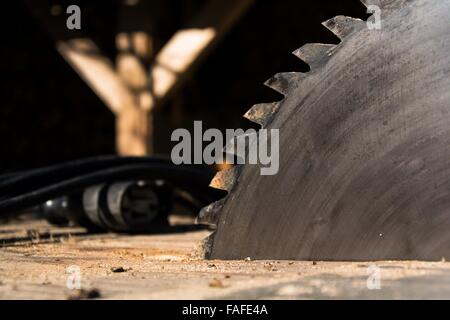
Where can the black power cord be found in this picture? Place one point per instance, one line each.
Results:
(20, 182)
(112, 193)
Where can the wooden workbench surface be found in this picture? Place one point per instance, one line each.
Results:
(35, 257)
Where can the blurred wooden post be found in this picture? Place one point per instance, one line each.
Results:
(132, 90)
(134, 43)
(172, 66)
(101, 76)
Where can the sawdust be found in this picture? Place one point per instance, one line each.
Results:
(164, 264)
(216, 283)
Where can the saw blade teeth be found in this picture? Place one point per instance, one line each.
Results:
(314, 53)
(343, 26)
(282, 81)
(261, 113)
(225, 179)
(210, 214)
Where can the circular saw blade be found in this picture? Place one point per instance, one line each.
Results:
(364, 168)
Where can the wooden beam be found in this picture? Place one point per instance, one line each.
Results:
(172, 66)
(133, 94)
(134, 131)
(133, 124)
(188, 47)
(97, 71)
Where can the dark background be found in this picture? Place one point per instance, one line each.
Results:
(48, 114)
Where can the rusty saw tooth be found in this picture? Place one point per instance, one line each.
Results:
(343, 26)
(262, 113)
(210, 214)
(225, 179)
(281, 82)
(315, 54)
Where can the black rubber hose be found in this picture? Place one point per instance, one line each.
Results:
(9, 175)
(22, 182)
(191, 179)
